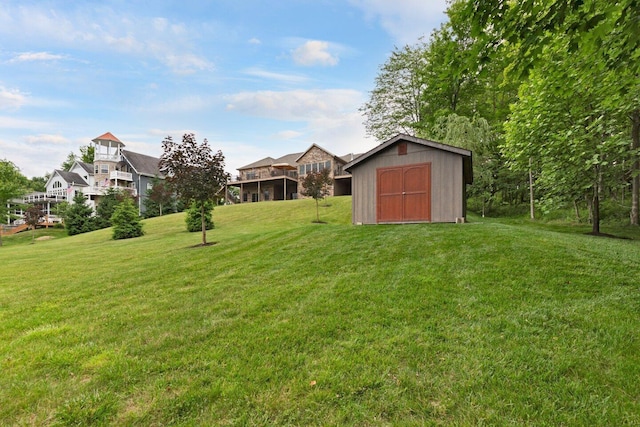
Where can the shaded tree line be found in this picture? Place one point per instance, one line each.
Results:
(546, 94)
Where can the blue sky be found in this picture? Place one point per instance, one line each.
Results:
(256, 78)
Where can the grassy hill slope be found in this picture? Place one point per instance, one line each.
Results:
(286, 322)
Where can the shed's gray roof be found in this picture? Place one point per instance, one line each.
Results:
(466, 154)
(143, 164)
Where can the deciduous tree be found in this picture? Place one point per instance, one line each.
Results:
(315, 185)
(32, 217)
(159, 197)
(194, 171)
(396, 103)
(12, 185)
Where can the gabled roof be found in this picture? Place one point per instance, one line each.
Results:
(143, 164)
(350, 157)
(107, 137)
(466, 154)
(69, 178)
(267, 161)
(288, 159)
(319, 148)
(86, 166)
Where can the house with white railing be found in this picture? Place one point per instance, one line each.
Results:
(281, 178)
(113, 167)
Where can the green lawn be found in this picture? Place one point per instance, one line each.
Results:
(287, 322)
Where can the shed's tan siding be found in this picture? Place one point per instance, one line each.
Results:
(447, 186)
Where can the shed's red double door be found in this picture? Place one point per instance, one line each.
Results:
(404, 193)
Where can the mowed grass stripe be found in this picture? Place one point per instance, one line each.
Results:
(286, 322)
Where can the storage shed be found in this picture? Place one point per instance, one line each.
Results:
(408, 179)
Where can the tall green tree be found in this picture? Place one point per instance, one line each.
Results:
(194, 171)
(475, 135)
(86, 156)
(160, 198)
(562, 123)
(606, 32)
(38, 183)
(87, 153)
(396, 103)
(12, 185)
(126, 221)
(112, 198)
(78, 216)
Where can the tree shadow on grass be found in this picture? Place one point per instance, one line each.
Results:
(202, 245)
(610, 236)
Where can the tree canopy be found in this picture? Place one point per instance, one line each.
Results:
(316, 185)
(545, 93)
(12, 185)
(194, 171)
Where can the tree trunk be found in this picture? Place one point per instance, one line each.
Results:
(204, 224)
(576, 208)
(635, 168)
(595, 209)
(531, 207)
(317, 212)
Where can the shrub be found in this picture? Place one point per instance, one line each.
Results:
(125, 221)
(194, 219)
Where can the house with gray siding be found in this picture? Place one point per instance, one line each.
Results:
(113, 167)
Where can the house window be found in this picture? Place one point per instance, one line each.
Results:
(308, 167)
(301, 169)
(57, 184)
(96, 168)
(327, 164)
(402, 149)
(245, 197)
(266, 195)
(254, 197)
(104, 168)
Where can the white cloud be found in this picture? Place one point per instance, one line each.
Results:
(330, 117)
(296, 105)
(13, 123)
(287, 78)
(255, 41)
(11, 99)
(186, 63)
(171, 43)
(314, 52)
(36, 56)
(44, 139)
(288, 134)
(183, 104)
(405, 20)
